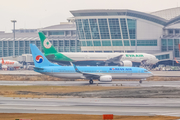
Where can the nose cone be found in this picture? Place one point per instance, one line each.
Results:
(151, 74)
(157, 60)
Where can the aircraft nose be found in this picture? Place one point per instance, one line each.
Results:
(151, 74)
(157, 60)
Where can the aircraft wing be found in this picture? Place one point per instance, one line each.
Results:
(143, 61)
(114, 59)
(37, 68)
(87, 75)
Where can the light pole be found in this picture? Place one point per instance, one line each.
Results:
(14, 21)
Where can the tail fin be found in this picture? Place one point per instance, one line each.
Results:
(176, 60)
(39, 59)
(46, 44)
(2, 61)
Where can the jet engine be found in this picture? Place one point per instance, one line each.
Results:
(126, 63)
(105, 78)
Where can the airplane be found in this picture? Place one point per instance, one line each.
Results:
(95, 59)
(10, 64)
(102, 73)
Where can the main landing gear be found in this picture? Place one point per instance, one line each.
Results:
(91, 81)
(140, 81)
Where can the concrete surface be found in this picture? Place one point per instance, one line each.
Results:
(86, 83)
(30, 72)
(19, 72)
(117, 106)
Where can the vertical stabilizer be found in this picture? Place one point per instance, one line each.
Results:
(46, 44)
(2, 61)
(39, 59)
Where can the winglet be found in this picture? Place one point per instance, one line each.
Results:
(2, 61)
(76, 69)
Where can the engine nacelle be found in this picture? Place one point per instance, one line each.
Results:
(105, 78)
(126, 63)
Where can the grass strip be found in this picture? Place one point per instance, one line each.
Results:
(43, 91)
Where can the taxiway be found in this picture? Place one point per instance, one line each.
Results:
(117, 106)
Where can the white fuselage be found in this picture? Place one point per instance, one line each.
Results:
(11, 63)
(133, 57)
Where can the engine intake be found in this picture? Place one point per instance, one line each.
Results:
(126, 63)
(105, 78)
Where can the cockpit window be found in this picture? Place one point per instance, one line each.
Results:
(145, 71)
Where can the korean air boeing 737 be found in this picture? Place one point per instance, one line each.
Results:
(102, 73)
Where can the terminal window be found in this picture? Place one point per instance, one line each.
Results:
(106, 43)
(97, 43)
(86, 28)
(146, 42)
(89, 43)
(114, 28)
(103, 27)
(126, 43)
(117, 42)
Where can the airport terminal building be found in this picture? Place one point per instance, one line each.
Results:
(106, 30)
(62, 36)
(129, 31)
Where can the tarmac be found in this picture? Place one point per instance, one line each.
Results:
(116, 106)
(146, 99)
(31, 72)
(86, 83)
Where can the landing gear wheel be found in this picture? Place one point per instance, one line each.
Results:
(91, 81)
(140, 81)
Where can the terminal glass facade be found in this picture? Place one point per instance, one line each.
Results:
(132, 28)
(106, 31)
(124, 28)
(170, 45)
(114, 28)
(94, 28)
(162, 57)
(22, 45)
(146, 42)
(110, 32)
(103, 28)
(117, 43)
(86, 28)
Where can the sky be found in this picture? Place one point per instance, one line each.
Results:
(33, 14)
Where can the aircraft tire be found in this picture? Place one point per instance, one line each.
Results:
(140, 81)
(90, 81)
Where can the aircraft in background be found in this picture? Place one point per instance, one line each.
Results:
(95, 59)
(10, 64)
(102, 73)
(176, 61)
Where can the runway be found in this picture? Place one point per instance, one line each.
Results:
(31, 72)
(116, 106)
(86, 83)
